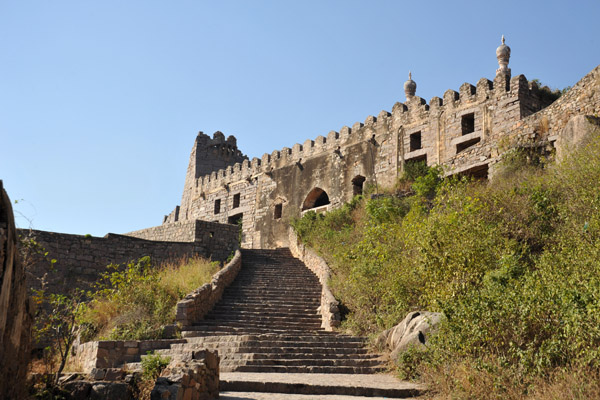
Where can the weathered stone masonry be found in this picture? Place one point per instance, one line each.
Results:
(81, 259)
(466, 132)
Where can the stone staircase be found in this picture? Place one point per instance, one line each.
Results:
(268, 321)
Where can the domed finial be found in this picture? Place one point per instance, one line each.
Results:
(410, 86)
(503, 56)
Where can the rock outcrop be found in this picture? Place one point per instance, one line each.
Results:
(413, 331)
(15, 308)
(578, 132)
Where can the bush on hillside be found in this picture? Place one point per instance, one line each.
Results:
(135, 302)
(513, 265)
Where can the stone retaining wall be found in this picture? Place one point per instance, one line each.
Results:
(107, 354)
(329, 308)
(198, 303)
(81, 259)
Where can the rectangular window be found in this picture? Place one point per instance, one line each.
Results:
(236, 200)
(415, 141)
(278, 211)
(217, 206)
(467, 123)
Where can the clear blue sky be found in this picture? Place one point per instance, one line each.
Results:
(100, 101)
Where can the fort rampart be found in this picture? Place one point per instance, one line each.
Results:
(81, 259)
(465, 131)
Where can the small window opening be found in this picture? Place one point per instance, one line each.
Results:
(415, 141)
(278, 210)
(467, 123)
(217, 206)
(235, 219)
(316, 198)
(236, 200)
(357, 185)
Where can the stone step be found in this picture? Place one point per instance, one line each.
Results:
(252, 309)
(323, 340)
(307, 362)
(216, 331)
(280, 290)
(282, 351)
(302, 369)
(248, 328)
(285, 296)
(283, 302)
(267, 321)
(367, 385)
(275, 317)
(277, 324)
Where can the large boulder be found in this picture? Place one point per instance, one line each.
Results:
(576, 133)
(413, 331)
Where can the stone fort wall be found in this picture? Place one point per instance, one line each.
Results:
(466, 132)
(81, 259)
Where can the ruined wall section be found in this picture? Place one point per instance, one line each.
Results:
(545, 126)
(81, 259)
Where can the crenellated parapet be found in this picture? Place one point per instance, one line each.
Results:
(414, 113)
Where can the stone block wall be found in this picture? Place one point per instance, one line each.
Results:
(197, 304)
(196, 379)
(16, 310)
(216, 241)
(81, 259)
(108, 354)
(329, 309)
(182, 231)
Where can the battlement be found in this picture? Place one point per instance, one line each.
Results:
(414, 111)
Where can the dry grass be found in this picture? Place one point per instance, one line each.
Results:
(143, 300)
(462, 380)
(184, 277)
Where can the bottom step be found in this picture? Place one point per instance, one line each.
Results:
(377, 385)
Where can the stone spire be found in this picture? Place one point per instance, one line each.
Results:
(410, 87)
(503, 56)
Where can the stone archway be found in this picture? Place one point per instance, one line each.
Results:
(316, 198)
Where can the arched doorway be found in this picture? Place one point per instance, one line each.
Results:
(316, 198)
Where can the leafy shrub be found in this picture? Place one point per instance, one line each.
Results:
(513, 265)
(153, 364)
(135, 302)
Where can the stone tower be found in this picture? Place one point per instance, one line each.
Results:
(208, 155)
